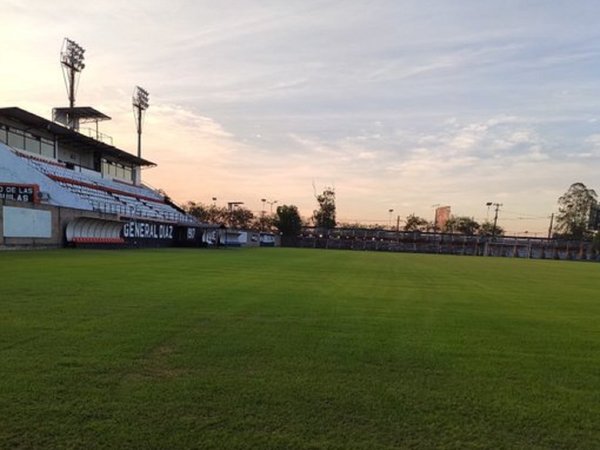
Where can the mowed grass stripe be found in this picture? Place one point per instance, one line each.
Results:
(290, 348)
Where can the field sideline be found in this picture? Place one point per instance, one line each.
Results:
(291, 348)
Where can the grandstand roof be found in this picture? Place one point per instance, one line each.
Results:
(72, 138)
(82, 113)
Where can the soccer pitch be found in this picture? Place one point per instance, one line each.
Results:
(290, 348)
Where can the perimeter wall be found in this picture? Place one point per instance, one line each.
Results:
(442, 243)
(34, 225)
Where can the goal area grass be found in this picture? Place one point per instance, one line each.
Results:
(296, 348)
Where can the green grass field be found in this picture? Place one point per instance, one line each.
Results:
(289, 348)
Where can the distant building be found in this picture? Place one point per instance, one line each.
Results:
(442, 215)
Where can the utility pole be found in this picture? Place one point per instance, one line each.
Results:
(497, 208)
(497, 205)
(550, 227)
(262, 214)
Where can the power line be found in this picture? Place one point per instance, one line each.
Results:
(520, 214)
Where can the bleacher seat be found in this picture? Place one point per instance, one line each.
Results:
(109, 195)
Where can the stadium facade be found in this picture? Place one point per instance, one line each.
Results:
(62, 187)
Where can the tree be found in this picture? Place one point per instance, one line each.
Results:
(324, 217)
(487, 229)
(464, 225)
(198, 210)
(207, 213)
(217, 214)
(240, 217)
(596, 242)
(574, 208)
(264, 222)
(287, 220)
(415, 223)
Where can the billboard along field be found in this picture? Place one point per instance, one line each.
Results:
(290, 348)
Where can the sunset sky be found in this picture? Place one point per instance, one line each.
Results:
(397, 104)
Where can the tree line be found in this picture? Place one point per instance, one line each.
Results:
(577, 218)
(286, 220)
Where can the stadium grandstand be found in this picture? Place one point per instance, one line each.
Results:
(64, 185)
(60, 187)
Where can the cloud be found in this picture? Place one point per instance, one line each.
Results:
(399, 105)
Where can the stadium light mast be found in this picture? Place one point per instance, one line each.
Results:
(71, 59)
(232, 205)
(271, 203)
(263, 212)
(140, 105)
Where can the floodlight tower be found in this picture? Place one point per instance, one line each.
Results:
(71, 59)
(140, 105)
(271, 203)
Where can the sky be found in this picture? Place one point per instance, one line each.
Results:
(398, 105)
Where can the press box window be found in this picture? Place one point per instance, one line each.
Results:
(47, 148)
(16, 140)
(33, 144)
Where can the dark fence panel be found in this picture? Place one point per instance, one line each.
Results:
(450, 244)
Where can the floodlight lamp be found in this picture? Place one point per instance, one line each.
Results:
(140, 98)
(72, 55)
